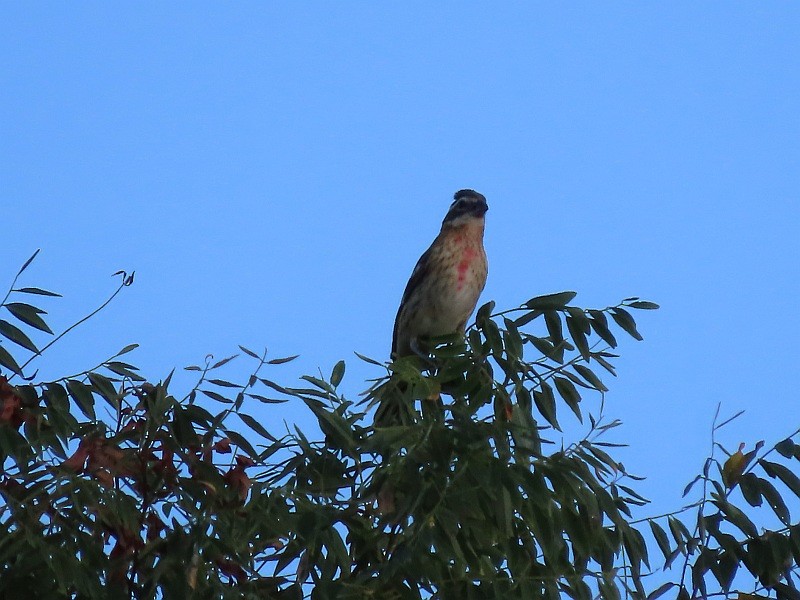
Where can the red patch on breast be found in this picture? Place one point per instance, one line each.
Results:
(467, 256)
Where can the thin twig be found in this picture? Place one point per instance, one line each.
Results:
(124, 283)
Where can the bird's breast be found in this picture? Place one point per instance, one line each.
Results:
(462, 276)
(465, 265)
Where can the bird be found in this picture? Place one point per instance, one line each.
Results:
(439, 298)
(447, 280)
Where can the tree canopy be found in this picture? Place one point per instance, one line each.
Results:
(115, 485)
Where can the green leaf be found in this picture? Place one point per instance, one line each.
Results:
(256, 426)
(599, 323)
(644, 305)
(484, 312)
(280, 361)
(566, 389)
(29, 315)
(58, 411)
(81, 394)
(320, 383)
(551, 301)
(105, 388)
(635, 497)
(332, 425)
(127, 349)
(544, 346)
(124, 370)
(367, 359)
(786, 448)
(605, 364)
(474, 338)
(748, 484)
(198, 414)
(17, 336)
(661, 539)
(28, 262)
(788, 478)
(266, 400)
(553, 321)
(223, 383)
(338, 373)
(637, 549)
(183, 427)
(737, 518)
(698, 580)
(527, 318)
(216, 396)
(728, 543)
(242, 442)
(493, 337)
(661, 590)
(37, 291)
(56, 397)
(222, 362)
(773, 498)
(546, 404)
(589, 376)
(512, 339)
(249, 352)
(7, 361)
(579, 315)
(576, 332)
(624, 319)
(613, 466)
(14, 444)
(276, 387)
(337, 548)
(608, 590)
(679, 532)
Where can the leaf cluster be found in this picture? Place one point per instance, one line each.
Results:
(117, 487)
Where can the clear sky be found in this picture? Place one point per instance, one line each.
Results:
(272, 171)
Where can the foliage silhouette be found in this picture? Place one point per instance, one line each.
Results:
(115, 487)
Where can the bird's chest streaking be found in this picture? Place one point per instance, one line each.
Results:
(462, 276)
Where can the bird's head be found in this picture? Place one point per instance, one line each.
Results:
(467, 205)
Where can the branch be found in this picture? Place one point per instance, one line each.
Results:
(126, 281)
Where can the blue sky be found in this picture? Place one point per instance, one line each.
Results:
(273, 171)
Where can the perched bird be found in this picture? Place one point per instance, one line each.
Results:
(439, 298)
(448, 279)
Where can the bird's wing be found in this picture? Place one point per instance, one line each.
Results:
(418, 275)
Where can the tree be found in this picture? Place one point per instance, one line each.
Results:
(117, 487)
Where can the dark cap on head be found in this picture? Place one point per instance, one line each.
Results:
(468, 194)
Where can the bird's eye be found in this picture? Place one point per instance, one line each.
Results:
(462, 205)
